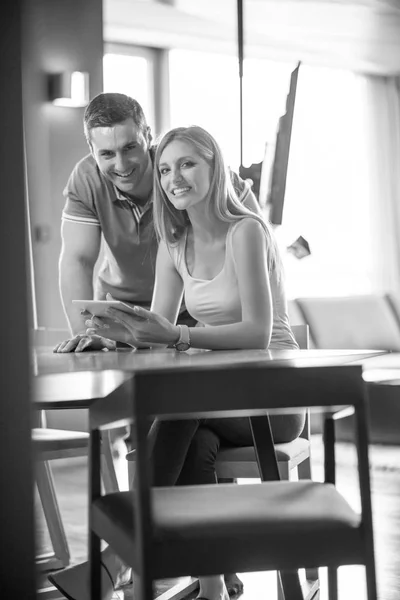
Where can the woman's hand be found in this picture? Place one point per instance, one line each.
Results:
(144, 326)
(103, 326)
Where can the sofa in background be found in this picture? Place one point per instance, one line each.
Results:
(357, 322)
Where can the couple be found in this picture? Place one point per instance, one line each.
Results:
(223, 258)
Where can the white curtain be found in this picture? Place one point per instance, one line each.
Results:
(382, 138)
(343, 188)
(327, 199)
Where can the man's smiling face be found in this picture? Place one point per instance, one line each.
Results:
(122, 154)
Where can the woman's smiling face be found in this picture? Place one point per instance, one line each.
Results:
(184, 175)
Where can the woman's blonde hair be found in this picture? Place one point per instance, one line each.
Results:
(222, 199)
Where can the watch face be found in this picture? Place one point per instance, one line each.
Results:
(182, 346)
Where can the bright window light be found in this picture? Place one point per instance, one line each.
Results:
(130, 75)
(327, 199)
(326, 193)
(210, 98)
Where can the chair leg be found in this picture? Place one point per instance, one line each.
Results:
(304, 469)
(371, 580)
(45, 485)
(279, 588)
(365, 492)
(131, 472)
(108, 473)
(269, 471)
(143, 588)
(312, 574)
(95, 566)
(304, 472)
(291, 585)
(332, 583)
(94, 549)
(284, 471)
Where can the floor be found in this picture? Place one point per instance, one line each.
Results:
(71, 476)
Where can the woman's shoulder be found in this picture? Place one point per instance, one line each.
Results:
(246, 227)
(246, 234)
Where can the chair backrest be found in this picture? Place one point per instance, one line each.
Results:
(301, 334)
(353, 322)
(157, 551)
(394, 302)
(296, 317)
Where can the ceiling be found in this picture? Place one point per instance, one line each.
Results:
(361, 35)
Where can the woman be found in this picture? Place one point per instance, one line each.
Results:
(223, 258)
(220, 254)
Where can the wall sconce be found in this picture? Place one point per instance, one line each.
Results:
(69, 88)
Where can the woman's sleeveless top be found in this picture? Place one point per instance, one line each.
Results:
(217, 301)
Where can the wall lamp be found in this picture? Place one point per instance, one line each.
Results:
(70, 88)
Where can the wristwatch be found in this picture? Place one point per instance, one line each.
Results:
(183, 342)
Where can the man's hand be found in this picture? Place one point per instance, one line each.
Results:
(82, 342)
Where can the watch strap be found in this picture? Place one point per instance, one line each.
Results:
(183, 342)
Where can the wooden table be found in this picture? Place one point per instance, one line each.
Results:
(105, 379)
(79, 380)
(58, 385)
(382, 374)
(77, 390)
(383, 369)
(46, 362)
(104, 413)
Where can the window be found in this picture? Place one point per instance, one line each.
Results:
(130, 70)
(326, 194)
(205, 91)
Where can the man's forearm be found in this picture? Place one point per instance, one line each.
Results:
(76, 283)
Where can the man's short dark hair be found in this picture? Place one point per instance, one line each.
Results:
(109, 109)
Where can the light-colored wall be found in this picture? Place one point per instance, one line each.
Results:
(59, 35)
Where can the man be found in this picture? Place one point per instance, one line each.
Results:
(108, 195)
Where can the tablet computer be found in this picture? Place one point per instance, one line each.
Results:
(98, 307)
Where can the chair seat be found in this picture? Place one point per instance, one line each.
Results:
(290, 452)
(295, 451)
(237, 462)
(293, 524)
(58, 440)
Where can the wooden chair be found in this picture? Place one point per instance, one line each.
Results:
(275, 525)
(294, 458)
(53, 444)
(237, 463)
